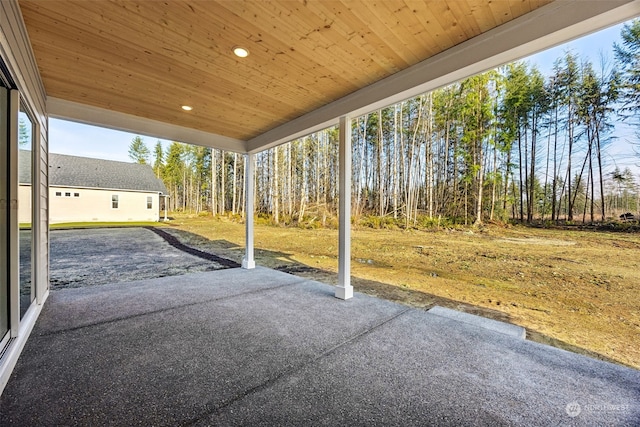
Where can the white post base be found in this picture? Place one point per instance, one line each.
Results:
(344, 292)
(248, 265)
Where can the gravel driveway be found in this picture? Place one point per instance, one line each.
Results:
(89, 257)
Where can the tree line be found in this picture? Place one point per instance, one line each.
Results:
(507, 144)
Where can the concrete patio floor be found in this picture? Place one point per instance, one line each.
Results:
(261, 347)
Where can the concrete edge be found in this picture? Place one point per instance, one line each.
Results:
(482, 322)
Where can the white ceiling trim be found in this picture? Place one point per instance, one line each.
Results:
(81, 113)
(546, 27)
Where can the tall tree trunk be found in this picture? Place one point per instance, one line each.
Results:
(411, 187)
(478, 220)
(494, 172)
(214, 182)
(569, 189)
(362, 161)
(521, 179)
(223, 189)
(599, 154)
(276, 190)
(379, 167)
(514, 195)
(394, 161)
(429, 153)
(586, 200)
(466, 200)
(590, 136)
(579, 179)
(243, 201)
(532, 176)
(184, 189)
(546, 175)
(556, 170)
(480, 161)
(234, 184)
(303, 189)
(507, 173)
(289, 182)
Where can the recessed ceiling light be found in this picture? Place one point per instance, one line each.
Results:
(240, 52)
(187, 107)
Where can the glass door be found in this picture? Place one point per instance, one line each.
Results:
(25, 210)
(4, 216)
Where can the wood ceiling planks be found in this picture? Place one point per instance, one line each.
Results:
(147, 58)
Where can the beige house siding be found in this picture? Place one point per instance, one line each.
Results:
(88, 205)
(24, 205)
(92, 205)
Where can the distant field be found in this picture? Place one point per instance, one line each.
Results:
(578, 290)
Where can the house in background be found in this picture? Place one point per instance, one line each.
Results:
(83, 189)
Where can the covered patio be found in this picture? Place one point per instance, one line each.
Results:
(261, 347)
(251, 345)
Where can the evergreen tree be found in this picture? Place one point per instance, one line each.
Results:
(514, 111)
(138, 151)
(569, 80)
(158, 160)
(628, 57)
(24, 134)
(173, 174)
(476, 115)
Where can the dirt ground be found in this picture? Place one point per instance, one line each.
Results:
(89, 257)
(577, 290)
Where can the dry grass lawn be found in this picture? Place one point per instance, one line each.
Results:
(579, 290)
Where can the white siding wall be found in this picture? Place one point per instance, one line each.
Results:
(95, 205)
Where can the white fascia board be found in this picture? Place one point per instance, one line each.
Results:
(546, 27)
(81, 113)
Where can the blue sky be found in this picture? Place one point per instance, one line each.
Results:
(90, 141)
(591, 46)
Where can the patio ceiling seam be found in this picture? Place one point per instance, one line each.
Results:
(288, 372)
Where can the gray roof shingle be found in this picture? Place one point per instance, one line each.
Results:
(84, 172)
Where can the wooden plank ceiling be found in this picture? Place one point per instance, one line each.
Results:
(148, 58)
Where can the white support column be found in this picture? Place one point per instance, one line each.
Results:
(344, 289)
(166, 206)
(248, 261)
